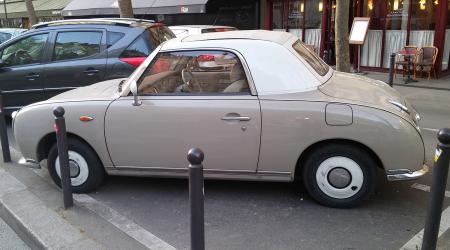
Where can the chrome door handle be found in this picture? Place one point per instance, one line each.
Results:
(91, 72)
(236, 118)
(32, 76)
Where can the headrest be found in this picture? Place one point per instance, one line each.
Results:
(237, 73)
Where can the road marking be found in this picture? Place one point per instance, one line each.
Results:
(416, 241)
(427, 188)
(121, 222)
(430, 129)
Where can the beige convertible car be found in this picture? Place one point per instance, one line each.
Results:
(270, 110)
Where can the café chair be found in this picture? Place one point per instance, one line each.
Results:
(405, 64)
(426, 61)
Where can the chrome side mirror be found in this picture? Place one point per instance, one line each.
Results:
(134, 90)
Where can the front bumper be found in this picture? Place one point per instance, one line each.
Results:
(406, 174)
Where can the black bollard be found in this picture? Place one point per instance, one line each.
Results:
(4, 133)
(63, 154)
(195, 157)
(391, 69)
(440, 173)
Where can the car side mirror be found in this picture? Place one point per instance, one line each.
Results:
(134, 90)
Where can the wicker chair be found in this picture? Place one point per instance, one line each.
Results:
(405, 64)
(426, 61)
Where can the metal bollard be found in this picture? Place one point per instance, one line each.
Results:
(195, 157)
(63, 154)
(391, 69)
(440, 173)
(4, 133)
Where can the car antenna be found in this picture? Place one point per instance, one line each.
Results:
(146, 12)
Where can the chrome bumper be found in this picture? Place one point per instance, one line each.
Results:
(406, 174)
(29, 163)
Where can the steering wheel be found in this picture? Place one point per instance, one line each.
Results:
(189, 81)
(22, 57)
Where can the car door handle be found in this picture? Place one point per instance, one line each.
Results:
(236, 118)
(91, 72)
(32, 76)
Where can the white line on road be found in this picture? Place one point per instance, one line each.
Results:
(121, 222)
(427, 188)
(416, 241)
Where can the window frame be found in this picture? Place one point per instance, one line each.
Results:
(16, 39)
(251, 85)
(57, 32)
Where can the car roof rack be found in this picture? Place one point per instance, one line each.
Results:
(127, 19)
(104, 21)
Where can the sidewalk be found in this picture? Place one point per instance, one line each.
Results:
(32, 206)
(439, 84)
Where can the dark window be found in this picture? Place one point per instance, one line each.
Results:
(26, 51)
(311, 58)
(139, 48)
(194, 72)
(77, 44)
(4, 36)
(159, 34)
(113, 37)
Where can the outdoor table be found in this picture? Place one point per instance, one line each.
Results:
(408, 55)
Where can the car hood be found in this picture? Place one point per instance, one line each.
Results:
(106, 90)
(361, 90)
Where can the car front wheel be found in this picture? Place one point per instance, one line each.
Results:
(340, 176)
(86, 170)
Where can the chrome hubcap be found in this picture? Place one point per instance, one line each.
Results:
(74, 169)
(78, 167)
(339, 177)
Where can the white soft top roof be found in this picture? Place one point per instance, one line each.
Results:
(264, 35)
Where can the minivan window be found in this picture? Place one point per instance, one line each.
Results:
(4, 37)
(26, 51)
(76, 44)
(311, 58)
(139, 48)
(113, 37)
(159, 34)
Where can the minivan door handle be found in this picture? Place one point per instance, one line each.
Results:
(91, 71)
(236, 118)
(32, 76)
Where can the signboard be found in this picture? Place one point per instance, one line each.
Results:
(359, 30)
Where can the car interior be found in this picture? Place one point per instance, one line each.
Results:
(178, 73)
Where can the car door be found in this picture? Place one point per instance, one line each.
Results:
(21, 77)
(78, 59)
(184, 106)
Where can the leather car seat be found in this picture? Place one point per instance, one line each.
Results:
(238, 80)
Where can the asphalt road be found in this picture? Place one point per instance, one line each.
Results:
(254, 215)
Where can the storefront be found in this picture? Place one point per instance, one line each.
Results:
(243, 14)
(394, 24)
(46, 10)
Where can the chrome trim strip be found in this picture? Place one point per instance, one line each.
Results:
(406, 174)
(35, 90)
(64, 88)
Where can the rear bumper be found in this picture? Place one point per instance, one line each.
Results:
(406, 174)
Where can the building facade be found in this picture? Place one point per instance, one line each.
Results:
(394, 24)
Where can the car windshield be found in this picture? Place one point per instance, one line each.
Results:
(311, 58)
(4, 36)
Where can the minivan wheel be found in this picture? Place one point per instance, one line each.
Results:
(340, 176)
(86, 170)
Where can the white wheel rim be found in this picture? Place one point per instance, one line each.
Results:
(333, 164)
(76, 162)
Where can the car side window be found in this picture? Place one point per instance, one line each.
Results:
(139, 48)
(25, 51)
(194, 72)
(4, 36)
(76, 44)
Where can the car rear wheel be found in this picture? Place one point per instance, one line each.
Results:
(340, 176)
(86, 170)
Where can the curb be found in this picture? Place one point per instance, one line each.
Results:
(34, 222)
